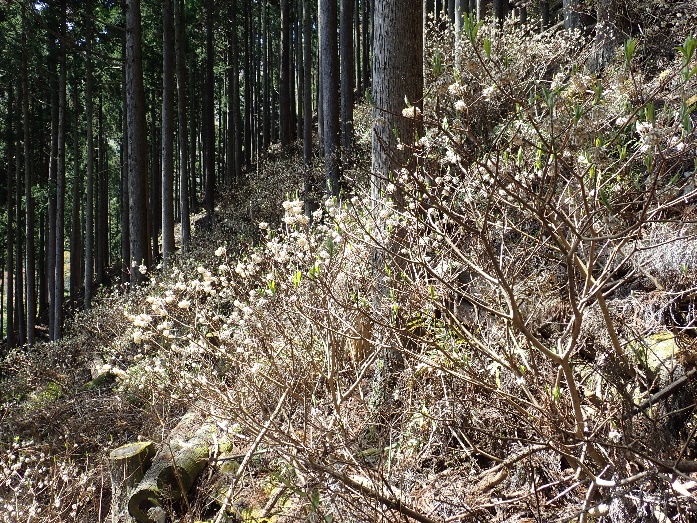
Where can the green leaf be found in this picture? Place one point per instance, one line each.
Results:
(629, 48)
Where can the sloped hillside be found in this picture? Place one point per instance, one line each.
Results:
(507, 333)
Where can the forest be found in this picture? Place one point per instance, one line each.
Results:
(348, 260)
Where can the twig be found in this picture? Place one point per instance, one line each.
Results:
(248, 457)
(669, 390)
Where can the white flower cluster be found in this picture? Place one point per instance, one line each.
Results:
(294, 213)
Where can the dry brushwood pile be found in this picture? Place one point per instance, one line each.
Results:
(506, 334)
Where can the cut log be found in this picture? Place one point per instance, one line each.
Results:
(128, 466)
(175, 468)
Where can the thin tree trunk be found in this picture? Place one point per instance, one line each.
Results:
(30, 252)
(366, 46)
(154, 189)
(544, 13)
(572, 16)
(179, 38)
(347, 71)
(89, 197)
(137, 143)
(330, 94)
(248, 86)
(52, 174)
(284, 86)
(9, 281)
(267, 80)
(75, 225)
(60, 183)
(292, 71)
(300, 69)
(20, 313)
(307, 92)
(481, 10)
(320, 98)
(102, 195)
(357, 48)
(167, 131)
(209, 117)
(124, 211)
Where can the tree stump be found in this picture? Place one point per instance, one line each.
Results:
(128, 466)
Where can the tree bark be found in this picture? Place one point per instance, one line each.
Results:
(89, 182)
(330, 94)
(20, 312)
(347, 71)
(606, 37)
(30, 251)
(137, 143)
(167, 132)
(52, 175)
(284, 85)
(9, 280)
(179, 38)
(124, 211)
(307, 104)
(75, 224)
(209, 117)
(397, 74)
(572, 17)
(128, 464)
(60, 183)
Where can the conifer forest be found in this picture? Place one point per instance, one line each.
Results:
(411, 261)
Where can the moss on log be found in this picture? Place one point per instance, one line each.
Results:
(175, 468)
(128, 465)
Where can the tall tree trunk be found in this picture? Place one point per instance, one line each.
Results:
(168, 65)
(30, 251)
(481, 10)
(267, 71)
(606, 37)
(300, 68)
(330, 93)
(52, 175)
(60, 182)
(20, 312)
(367, 42)
(572, 16)
(346, 47)
(75, 225)
(179, 39)
(284, 86)
(307, 105)
(102, 233)
(357, 48)
(397, 74)
(124, 210)
(500, 10)
(320, 99)
(292, 71)
(544, 13)
(89, 182)
(209, 116)
(137, 143)
(9, 281)
(248, 86)
(154, 189)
